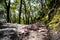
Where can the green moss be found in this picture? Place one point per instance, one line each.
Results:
(54, 23)
(45, 18)
(55, 19)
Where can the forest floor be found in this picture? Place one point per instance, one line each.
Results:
(37, 35)
(10, 33)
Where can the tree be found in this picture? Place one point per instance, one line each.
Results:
(25, 10)
(20, 11)
(7, 4)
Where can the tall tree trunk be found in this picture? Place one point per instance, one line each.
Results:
(20, 11)
(30, 11)
(23, 20)
(28, 18)
(7, 9)
(25, 11)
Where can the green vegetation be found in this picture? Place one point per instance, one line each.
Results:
(31, 11)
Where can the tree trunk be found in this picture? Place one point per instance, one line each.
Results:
(20, 11)
(25, 11)
(7, 9)
(31, 12)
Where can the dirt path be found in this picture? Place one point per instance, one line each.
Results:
(8, 32)
(37, 35)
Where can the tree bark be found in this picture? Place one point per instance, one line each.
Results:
(7, 9)
(25, 11)
(20, 11)
(31, 12)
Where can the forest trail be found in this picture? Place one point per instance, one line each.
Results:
(9, 32)
(37, 35)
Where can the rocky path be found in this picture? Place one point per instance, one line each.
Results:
(37, 35)
(11, 32)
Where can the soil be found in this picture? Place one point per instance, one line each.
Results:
(9, 32)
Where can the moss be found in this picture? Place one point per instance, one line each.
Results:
(55, 19)
(45, 18)
(54, 23)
